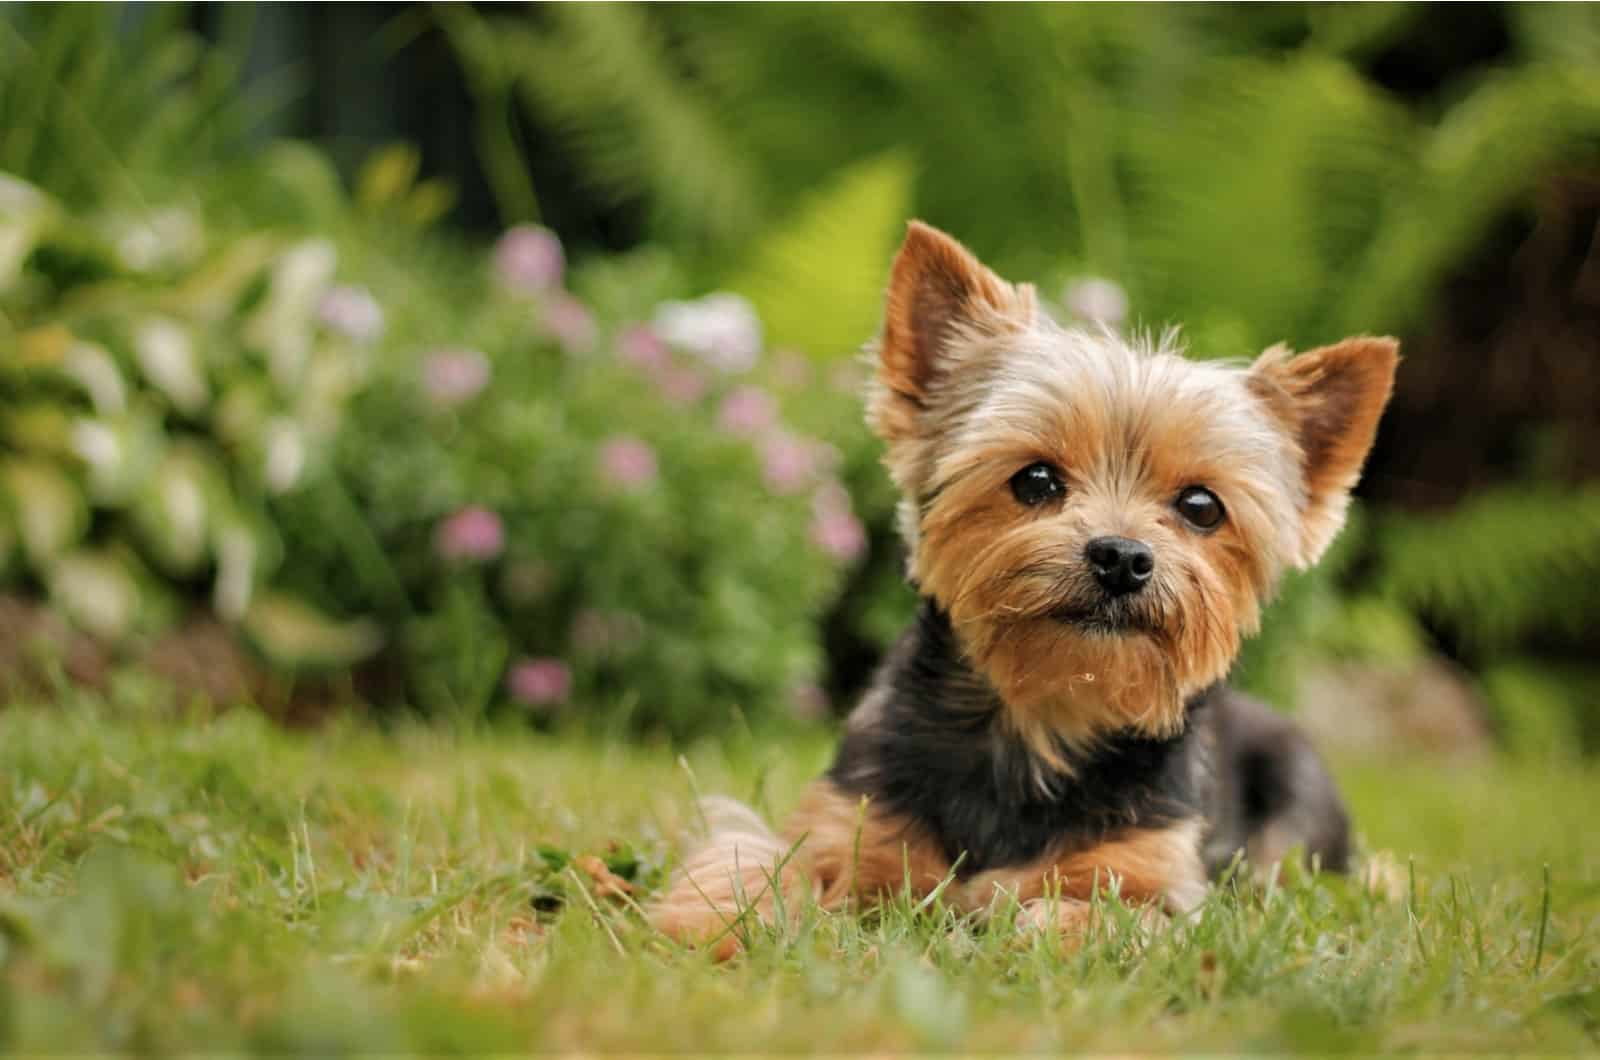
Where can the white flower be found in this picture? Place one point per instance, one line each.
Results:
(721, 329)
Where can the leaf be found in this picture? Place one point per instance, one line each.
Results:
(605, 77)
(387, 177)
(1457, 566)
(292, 633)
(24, 215)
(49, 509)
(175, 509)
(818, 280)
(168, 358)
(1484, 155)
(98, 591)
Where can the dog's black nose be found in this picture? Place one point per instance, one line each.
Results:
(1120, 564)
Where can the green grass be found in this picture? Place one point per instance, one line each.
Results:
(223, 884)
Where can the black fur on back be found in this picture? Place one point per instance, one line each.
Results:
(930, 743)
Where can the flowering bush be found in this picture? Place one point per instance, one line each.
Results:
(586, 508)
(461, 475)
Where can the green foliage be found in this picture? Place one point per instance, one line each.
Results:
(100, 103)
(163, 385)
(817, 279)
(661, 593)
(614, 88)
(179, 426)
(1493, 568)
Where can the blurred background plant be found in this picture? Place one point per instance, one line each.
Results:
(520, 482)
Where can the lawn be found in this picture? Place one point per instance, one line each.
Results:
(225, 884)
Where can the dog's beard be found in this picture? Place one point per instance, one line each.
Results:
(1074, 665)
(1081, 674)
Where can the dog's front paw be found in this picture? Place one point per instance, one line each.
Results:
(1075, 921)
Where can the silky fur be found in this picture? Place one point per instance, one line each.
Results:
(1032, 735)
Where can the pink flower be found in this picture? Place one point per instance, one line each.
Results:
(473, 533)
(528, 259)
(539, 682)
(839, 534)
(628, 462)
(747, 411)
(834, 527)
(352, 312)
(642, 348)
(570, 323)
(682, 386)
(787, 463)
(452, 377)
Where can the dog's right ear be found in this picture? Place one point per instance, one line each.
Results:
(939, 296)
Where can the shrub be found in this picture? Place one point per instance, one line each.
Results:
(570, 494)
(442, 457)
(162, 389)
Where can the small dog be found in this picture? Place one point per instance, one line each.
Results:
(1093, 527)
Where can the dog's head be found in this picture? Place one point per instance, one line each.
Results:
(1102, 521)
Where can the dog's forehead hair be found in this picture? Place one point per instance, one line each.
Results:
(1120, 413)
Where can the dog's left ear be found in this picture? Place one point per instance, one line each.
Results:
(1330, 400)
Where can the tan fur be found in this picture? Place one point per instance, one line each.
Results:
(1076, 920)
(839, 850)
(854, 852)
(847, 854)
(1158, 866)
(729, 876)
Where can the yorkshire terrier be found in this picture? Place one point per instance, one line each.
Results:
(1093, 525)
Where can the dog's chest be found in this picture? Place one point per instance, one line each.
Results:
(985, 800)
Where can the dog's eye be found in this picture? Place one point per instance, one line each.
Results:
(1200, 506)
(1037, 483)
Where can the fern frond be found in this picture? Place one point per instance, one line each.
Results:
(1503, 565)
(95, 112)
(1251, 200)
(1485, 154)
(817, 281)
(604, 75)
